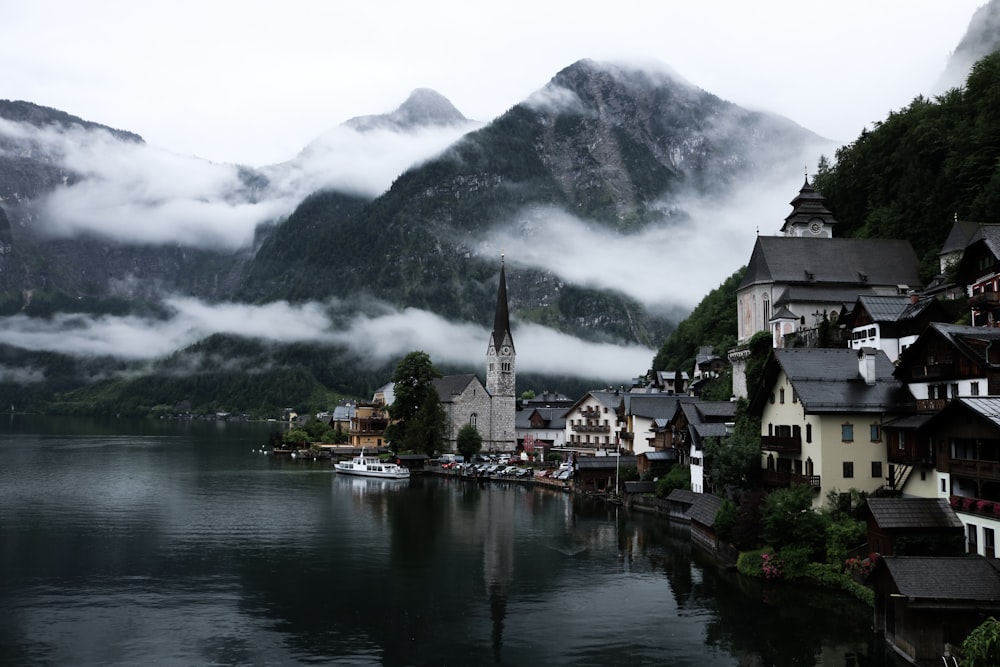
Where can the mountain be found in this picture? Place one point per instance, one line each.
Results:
(424, 107)
(981, 38)
(616, 147)
(104, 224)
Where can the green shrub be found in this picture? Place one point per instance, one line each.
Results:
(751, 563)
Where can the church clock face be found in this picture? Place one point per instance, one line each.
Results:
(815, 227)
(505, 350)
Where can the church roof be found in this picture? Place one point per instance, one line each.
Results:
(450, 386)
(844, 262)
(961, 234)
(501, 319)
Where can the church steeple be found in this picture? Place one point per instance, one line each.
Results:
(809, 216)
(501, 320)
(500, 353)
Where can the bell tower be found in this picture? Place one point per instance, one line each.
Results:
(500, 372)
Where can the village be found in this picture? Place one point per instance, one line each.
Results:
(870, 390)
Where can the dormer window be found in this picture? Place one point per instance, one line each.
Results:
(863, 277)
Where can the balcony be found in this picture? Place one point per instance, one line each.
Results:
(984, 300)
(787, 479)
(627, 435)
(592, 428)
(932, 371)
(781, 444)
(978, 506)
(590, 413)
(975, 469)
(931, 404)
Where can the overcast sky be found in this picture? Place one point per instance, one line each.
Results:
(253, 82)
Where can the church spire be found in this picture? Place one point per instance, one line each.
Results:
(501, 320)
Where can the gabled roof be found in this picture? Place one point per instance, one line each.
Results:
(819, 261)
(962, 232)
(608, 399)
(947, 580)
(553, 418)
(657, 406)
(927, 513)
(828, 381)
(882, 308)
(971, 342)
(986, 408)
(450, 386)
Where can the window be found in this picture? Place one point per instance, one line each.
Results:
(848, 469)
(876, 469)
(847, 432)
(809, 432)
(770, 429)
(972, 534)
(876, 433)
(795, 397)
(944, 485)
(974, 388)
(781, 395)
(954, 390)
(473, 418)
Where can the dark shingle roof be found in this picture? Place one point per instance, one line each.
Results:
(683, 496)
(668, 455)
(961, 234)
(704, 509)
(913, 513)
(827, 380)
(450, 386)
(862, 262)
(605, 462)
(656, 406)
(947, 579)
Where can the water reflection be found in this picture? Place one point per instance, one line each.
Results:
(188, 549)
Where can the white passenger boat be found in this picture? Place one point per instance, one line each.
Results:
(372, 466)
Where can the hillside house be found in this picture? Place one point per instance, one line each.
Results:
(949, 361)
(890, 323)
(639, 414)
(979, 269)
(822, 413)
(966, 438)
(691, 424)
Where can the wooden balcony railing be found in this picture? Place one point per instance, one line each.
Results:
(977, 469)
(782, 444)
(786, 479)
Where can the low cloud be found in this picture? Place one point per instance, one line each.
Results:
(667, 266)
(384, 334)
(27, 375)
(365, 163)
(136, 193)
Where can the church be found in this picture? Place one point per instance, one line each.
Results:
(490, 409)
(794, 280)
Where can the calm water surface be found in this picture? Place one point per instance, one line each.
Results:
(177, 544)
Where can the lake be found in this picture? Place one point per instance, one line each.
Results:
(166, 543)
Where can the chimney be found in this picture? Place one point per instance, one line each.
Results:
(866, 365)
(914, 297)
